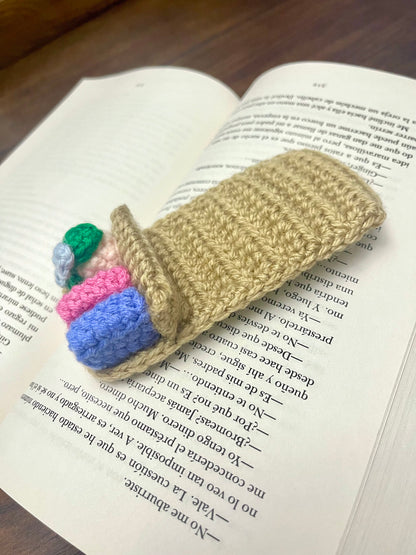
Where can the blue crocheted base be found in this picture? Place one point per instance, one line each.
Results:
(112, 330)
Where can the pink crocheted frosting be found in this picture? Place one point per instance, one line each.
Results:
(93, 290)
(106, 256)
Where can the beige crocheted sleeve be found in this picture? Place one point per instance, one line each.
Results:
(237, 241)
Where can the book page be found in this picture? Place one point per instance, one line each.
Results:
(124, 139)
(384, 517)
(255, 437)
(352, 114)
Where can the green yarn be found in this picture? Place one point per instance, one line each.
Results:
(83, 240)
(74, 279)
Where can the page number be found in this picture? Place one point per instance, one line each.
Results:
(319, 85)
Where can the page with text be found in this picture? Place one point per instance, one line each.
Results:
(256, 435)
(123, 139)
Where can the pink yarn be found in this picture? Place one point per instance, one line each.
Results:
(93, 290)
(106, 256)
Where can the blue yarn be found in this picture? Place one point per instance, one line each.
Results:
(111, 331)
(63, 258)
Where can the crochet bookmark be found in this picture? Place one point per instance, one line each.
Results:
(137, 295)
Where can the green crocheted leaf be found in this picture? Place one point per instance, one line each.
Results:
(83, 240)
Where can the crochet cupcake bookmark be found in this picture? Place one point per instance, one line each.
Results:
(137, 295)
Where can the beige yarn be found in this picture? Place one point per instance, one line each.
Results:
(237, 241)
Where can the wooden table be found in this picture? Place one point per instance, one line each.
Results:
(233, 40)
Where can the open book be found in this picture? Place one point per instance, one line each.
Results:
(265, 434)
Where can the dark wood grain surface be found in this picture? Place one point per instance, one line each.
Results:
(28, 24)
(233, 40)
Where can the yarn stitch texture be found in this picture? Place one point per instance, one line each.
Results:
(238, 241)
(112, 330)
(92, 291)
(105, 257)
(83, 240)
(63, 259)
